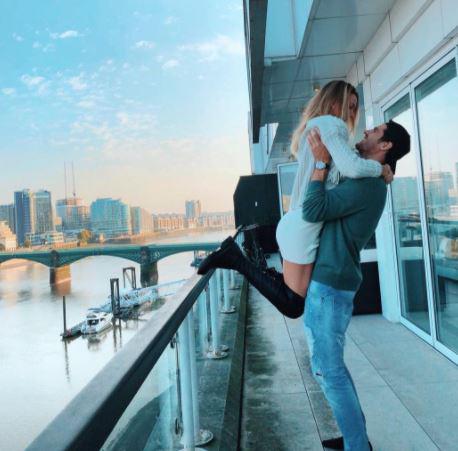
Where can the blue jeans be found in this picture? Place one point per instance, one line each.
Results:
(327, 315)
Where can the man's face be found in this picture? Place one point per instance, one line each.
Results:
(372, 144)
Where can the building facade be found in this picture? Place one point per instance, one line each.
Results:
(193, 209)
(44, 217)
(141, 221)
(24, 210)
(7, 237)
(110, 218)
(7, 215)
(402, 58)
(168, 222)
(75, 215)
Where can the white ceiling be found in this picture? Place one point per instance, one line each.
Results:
(336, 34)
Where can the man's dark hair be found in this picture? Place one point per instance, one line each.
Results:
(400, 139)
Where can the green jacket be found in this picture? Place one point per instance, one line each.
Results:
(351, 212)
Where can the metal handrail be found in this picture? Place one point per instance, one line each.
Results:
(87, 421)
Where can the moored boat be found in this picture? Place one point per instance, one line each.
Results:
(96, 322)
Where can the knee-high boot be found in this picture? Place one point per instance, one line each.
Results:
(229, 256)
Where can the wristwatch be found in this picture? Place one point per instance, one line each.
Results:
(321, 165)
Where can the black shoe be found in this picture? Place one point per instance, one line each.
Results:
(337, 443)
(225, 256)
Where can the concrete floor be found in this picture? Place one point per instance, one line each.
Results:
(407, 389)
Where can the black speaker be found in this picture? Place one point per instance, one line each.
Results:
(256, 200)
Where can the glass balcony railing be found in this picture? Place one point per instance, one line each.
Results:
(147, 396)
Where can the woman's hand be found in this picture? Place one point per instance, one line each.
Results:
(387, 174)
(319, 150)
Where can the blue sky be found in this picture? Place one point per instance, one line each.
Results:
(147, 98)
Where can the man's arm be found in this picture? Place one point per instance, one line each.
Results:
(345, 199)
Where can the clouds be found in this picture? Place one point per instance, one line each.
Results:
(77, 83)
(170, 20)
(66, 34)
(17, 37)
(215, 48)
(31, 81)
(144, 45)
(8, 91)
(170, 64)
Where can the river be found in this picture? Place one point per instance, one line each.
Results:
(40, 373)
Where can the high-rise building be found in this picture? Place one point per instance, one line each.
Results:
(7, 215)
(24, 209)
(44, 219)
(193, 209)
(142, 221)
(110, 218)
(74, 214)
(7, 237)
(438, 186)
(406, 199)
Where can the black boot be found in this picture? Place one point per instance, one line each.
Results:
(229, 256)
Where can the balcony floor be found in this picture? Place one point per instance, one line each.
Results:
(407, 389)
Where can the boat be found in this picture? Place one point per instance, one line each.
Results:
(96, 322)
(129, 299)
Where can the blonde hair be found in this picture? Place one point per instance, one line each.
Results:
(335, 92)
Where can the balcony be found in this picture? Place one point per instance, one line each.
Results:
(166, 390)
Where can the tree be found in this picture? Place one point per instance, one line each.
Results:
(27, 243)
(84, 236)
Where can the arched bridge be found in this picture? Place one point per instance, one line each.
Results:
(143, 255)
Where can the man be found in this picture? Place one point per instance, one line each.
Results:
(351, 212)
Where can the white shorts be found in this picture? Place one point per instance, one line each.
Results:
(297, 239)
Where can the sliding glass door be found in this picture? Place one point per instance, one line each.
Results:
(424, 198)
(436, 100)
(407, 225)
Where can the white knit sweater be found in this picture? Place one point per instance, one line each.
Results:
(345, 161)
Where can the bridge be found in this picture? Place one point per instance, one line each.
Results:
(58, 260)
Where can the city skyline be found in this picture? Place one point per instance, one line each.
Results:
(125, 104)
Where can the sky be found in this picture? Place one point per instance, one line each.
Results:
(148, 99)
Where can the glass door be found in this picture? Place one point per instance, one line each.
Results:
(407, 224)
(436, 98)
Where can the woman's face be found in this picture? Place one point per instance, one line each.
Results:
(352, 108)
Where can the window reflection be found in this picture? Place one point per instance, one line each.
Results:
(408, 230)
(437, 105)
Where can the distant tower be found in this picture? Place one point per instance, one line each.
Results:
(24, 208)
(44, 219)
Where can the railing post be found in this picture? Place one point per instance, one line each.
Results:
(218, 284)
(227, 307)
(201, 436)
(216, 352)
(187, 439)
(203, 321)
(232, 275)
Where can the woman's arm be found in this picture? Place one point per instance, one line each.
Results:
(348, 162)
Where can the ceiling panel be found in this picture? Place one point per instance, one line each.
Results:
(282, 71)
(339, 8)
(341, 34)
(329, 66)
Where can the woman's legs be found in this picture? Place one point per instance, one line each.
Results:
(297, 276)
(229, 256)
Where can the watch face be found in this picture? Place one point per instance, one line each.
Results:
(320, 165)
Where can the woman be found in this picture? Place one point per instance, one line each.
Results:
(333, 111)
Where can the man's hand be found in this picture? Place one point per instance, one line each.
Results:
(387, 174)
(319, 150)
